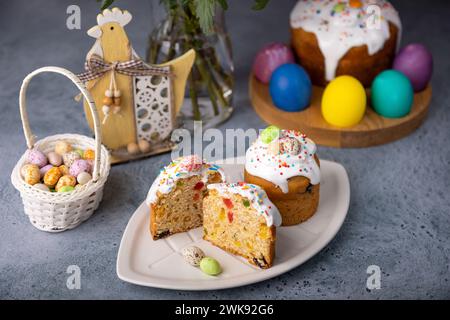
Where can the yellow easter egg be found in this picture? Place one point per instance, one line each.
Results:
(66, 181)
(89, 154)
(31, 174)
(51, 177)
(344, 102)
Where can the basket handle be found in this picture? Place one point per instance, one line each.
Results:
(26, 124)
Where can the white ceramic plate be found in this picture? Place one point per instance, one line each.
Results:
(146, 262)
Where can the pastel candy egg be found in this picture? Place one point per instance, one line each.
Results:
(84, 178)
(66, 181)
(52, 176)
(269, 134)
(269, 58)
(79, 166)
(290, 87)
(70, 157)
(193, 255)
(89, 154)
(36, 157)
(54, 159)
(415, 62)
(42, 187)
(392, 94)
(64, 170)
(210, 266)
(44, 170)
(31, 173)
(344, 102)
(66, 189)
(80, 152)
(62, 147)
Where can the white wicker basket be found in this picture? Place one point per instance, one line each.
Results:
(59, 211)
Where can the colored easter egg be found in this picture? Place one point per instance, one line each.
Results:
(70, 157)
(84, 178)
(44, 170)
(269, 58)
(210, 266)
(65, 181)
(62, 147)
(79, 166)
(415, 62)
(66, 189)
(64, 170)
(36, 157)
(31, 174)
(193, 255)
(392, 94)
(80, 152)
(42, 187)
(52, 176)
(290, 87)
(89, 154)
(344, 102)
(54, 159)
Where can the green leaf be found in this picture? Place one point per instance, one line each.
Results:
(223, 4)
(260, 4)
(106, 4)
(204, 11)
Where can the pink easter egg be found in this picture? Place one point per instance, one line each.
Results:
(44, 170)
(36, 157)
(269, 58)
(79, 166)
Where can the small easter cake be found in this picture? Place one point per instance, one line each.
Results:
(284, 163)
(176, 196)
(354, 37)
(240, 218)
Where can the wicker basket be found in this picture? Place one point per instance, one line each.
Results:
(59, 211)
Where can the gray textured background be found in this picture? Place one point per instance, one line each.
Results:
(399, 214)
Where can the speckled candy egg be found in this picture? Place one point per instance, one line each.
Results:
(62, 147)
(193, 255)
(31, 174)
(70, 157)
(89, 154)
(44, 170)
(66, 181)
(64, 170)
(84, 178)
(79, 166)
(52, 176)
(36, 157)
(54, 159)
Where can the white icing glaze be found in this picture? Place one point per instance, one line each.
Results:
(260, 161)
(256, 196)
(181, 168)
(339, 31)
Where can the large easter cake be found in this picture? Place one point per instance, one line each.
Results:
(336, 37)
(176, 196)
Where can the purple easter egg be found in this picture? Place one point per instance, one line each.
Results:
(416, 62)
(36, 157)
(79, 166)
(269, 58)
(44, 169)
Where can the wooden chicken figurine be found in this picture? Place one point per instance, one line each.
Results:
(137, 102)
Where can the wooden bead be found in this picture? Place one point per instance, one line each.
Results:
(117, 93)
(144, 146)
(107, 101)
(117, 101)
(133, 148)
(105, 109)
(116, 109)
(108, 93)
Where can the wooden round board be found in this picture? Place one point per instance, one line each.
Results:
(372, 130)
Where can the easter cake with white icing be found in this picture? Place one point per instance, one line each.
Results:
(176, 196)
(285, 164)
(345, 37)
(240, 218)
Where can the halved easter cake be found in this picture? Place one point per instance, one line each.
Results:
(176, 196)
(240, 218)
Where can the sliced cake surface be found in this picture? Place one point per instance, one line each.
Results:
(176, 196)
(240, 218)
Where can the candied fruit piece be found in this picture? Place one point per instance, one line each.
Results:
(199, 185)
(230, 216)
(228, 203)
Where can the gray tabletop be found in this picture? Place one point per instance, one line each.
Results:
(399, 214)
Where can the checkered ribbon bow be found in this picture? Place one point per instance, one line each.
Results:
(97, 67)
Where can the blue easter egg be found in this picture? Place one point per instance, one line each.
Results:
(290, 87)
(392, 94)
